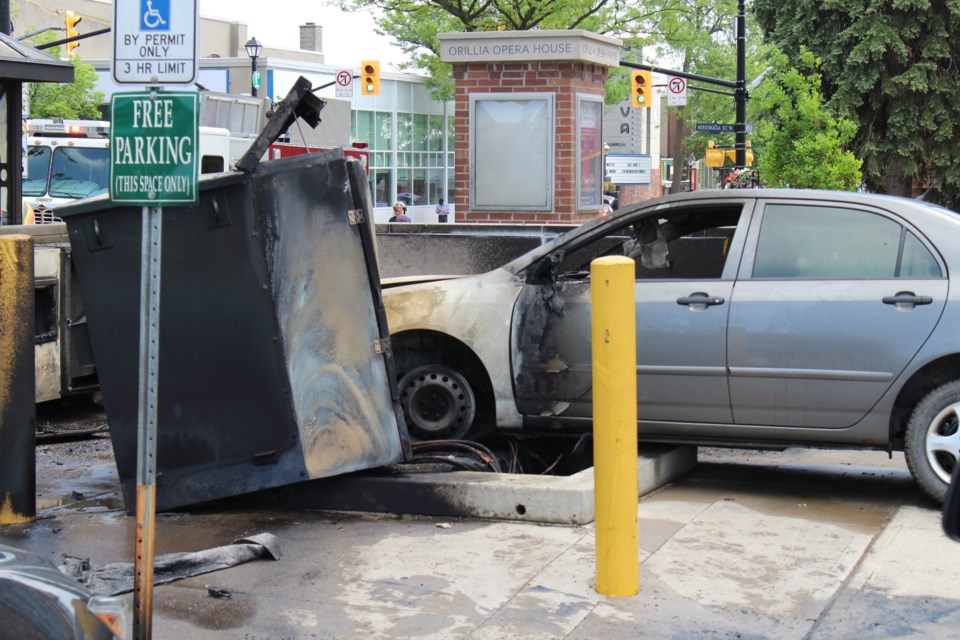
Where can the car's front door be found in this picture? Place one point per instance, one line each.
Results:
(686, 263)
(831, 305)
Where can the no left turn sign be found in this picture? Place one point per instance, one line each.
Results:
(344, 84)
(676, 91)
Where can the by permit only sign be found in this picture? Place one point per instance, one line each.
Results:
(153, 148)
(155, 41)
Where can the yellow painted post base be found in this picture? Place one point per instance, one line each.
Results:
(8, 514)
(18, 479)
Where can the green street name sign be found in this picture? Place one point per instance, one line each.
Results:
(153, 148)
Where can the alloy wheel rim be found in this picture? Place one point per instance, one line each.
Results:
(942, 441)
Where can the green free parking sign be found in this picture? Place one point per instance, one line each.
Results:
(153, 148)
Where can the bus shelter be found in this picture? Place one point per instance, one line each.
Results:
(19, 63)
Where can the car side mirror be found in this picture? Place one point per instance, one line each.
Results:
(951, 507)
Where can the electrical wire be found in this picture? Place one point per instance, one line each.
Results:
(455, 452)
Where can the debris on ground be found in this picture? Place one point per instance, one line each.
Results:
(218, 592)
(116, 578)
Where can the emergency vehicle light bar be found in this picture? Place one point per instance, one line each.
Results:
(82, 129)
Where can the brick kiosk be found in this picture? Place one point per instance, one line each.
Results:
(528, 136)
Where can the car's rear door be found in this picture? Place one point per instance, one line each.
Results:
(832, 303)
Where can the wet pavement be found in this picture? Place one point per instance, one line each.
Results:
(798, 544)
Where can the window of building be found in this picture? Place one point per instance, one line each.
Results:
(362, 129)
(383, 132)
(419, 160)
(382, 188)
(589, 152)
(511, 151)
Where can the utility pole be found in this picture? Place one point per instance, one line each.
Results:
(740, 92)
(739, 86)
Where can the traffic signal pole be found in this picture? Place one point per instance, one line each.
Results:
(740, 97)
(81, 36)
(739, 86)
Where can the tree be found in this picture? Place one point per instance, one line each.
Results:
(802, 145)
(75, 100)
(890, 66)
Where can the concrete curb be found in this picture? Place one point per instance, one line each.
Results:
(547, 499)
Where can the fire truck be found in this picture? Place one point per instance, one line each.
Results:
(286, 149)
(70, 159)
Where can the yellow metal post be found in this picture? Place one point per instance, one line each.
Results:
(18, 479)
(615, 425)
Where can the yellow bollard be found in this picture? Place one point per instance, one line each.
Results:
(615, 425)
(18, 480)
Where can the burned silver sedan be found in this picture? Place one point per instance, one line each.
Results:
(764, 318)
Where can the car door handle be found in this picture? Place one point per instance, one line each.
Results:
(907, 297)
(699, 297)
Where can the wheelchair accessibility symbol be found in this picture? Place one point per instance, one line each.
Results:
(155, 15)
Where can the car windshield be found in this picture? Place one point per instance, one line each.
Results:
(38, 170)
(80, 173)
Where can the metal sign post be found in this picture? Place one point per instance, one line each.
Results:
(147, 422)
(153, 162)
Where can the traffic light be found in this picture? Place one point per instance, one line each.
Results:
(370, 78)
(714, 156)
(748, 156)
(70, 22)
(641, 89)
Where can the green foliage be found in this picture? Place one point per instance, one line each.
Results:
(890, 66)
(800, 143)
(75, 100)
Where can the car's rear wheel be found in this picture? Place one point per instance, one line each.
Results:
(438, 403)
(933, 439)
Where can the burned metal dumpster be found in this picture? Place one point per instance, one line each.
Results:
(273, 359)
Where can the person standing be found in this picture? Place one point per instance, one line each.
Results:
(442, 211)
(399, 213)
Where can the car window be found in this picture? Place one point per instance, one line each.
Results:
(687, 243)
(807, 241)
(917, 261)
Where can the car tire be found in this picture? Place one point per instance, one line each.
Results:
(933, 439)
(438, 403)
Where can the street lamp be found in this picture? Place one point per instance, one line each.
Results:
(254, 48)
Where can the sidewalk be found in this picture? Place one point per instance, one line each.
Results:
(785, 545)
